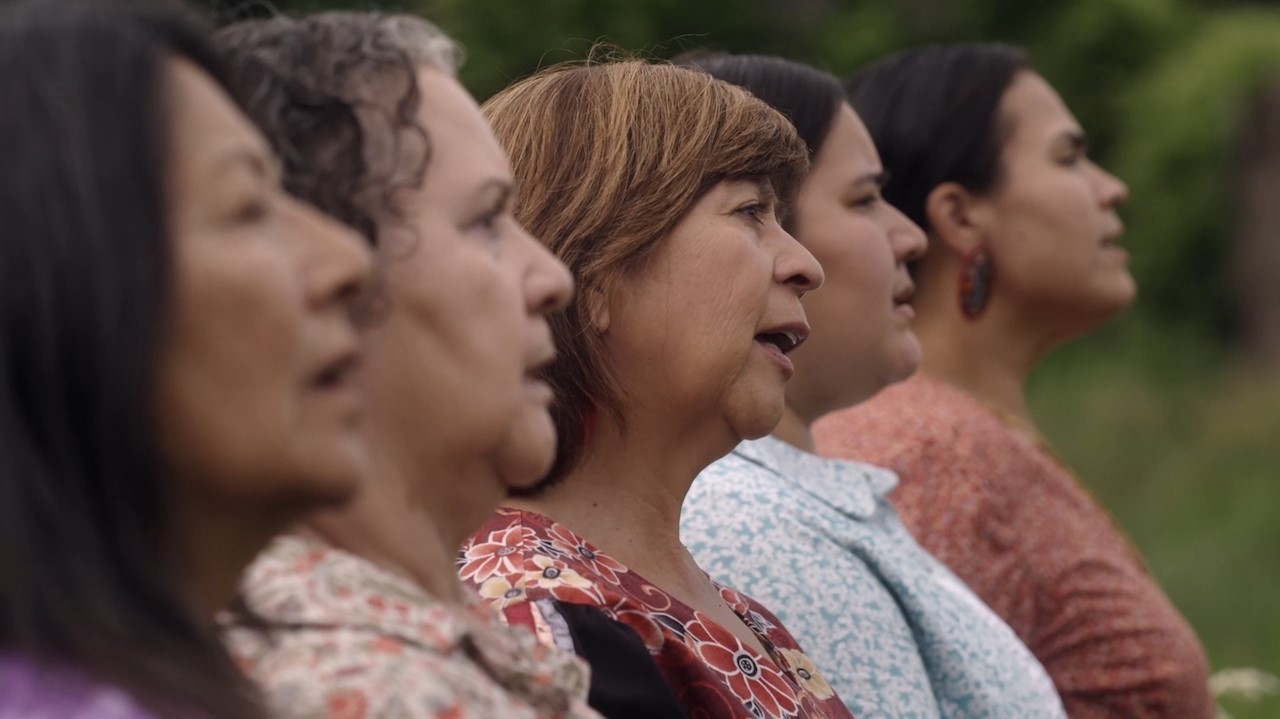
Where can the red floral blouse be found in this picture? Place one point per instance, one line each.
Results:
(524, 562)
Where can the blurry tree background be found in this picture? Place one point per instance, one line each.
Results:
(1171, 413)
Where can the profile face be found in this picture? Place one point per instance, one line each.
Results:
(702, 332)
(1052, 222)
(256, 396)
(453, 362)
(862, 338)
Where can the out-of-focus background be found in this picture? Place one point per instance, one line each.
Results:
(1171, 413)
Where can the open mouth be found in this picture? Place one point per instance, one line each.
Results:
(337, 373)
(784, 340)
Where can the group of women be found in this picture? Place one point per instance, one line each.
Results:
(325, 392)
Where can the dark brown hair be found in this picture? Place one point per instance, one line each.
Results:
(88, 577)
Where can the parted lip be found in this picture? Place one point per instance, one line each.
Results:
(541, 351)
(1112, 236)
(785, 336)
(340, 365)
(544, 359)
(905, 293)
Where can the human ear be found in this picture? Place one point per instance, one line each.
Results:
(956, 217)
(597, 305)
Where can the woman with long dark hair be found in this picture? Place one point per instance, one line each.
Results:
(174, 363)
(815, 538)
(1024, 255)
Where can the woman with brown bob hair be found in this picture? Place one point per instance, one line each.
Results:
(661, 189)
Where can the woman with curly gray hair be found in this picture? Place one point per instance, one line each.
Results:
(363, 612)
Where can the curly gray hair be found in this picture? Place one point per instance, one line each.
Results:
(337, 96)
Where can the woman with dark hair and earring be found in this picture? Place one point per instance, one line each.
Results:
(817, 539)
(175, 357)
(1023, 256)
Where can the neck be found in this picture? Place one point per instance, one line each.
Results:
(215, 545)
(625, 494)
(989, 357)
(410, 521)
(794, 429)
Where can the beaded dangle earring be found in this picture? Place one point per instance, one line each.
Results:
(977, 275)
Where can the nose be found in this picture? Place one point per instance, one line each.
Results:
(906, 238)
(548, 286)
(336, 262)
(1112, 190)
(796, 266)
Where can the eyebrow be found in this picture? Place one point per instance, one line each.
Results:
(767, 193)
(265, 165)
(879, 179)
(1075, 139)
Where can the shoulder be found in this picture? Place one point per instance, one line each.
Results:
(352, 671)
(31, 691)
(936, 438)
(921, 416)
(521, 556)
(726, 491)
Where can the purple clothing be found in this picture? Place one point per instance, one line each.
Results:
(32, 691)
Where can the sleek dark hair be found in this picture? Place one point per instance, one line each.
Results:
(934, 114)
(87, 579)
(336, 95)
(808, 97)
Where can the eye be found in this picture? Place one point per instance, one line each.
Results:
(488, 226)
(255, 210)
(866, 202)
(488, 222)
(755, 210)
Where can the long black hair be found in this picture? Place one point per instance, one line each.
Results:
(86, 580)
(809, 97)
(934, 114)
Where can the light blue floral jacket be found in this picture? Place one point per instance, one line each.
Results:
(894, 631)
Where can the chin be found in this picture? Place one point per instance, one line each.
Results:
(526, 456)
(904, 357)
(331, 477)
(1115, 297)
(758, 424)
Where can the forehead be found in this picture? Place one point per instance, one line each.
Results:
(1033, 111)
(848, 148)
(204, 125)
(463, 146)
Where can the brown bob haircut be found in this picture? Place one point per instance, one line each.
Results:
(608, 158)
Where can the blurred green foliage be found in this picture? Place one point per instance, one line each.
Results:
(1173, 434)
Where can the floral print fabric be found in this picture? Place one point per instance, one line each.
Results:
(1025, 534)
(347, 639)
(899, 634)
(520, 559)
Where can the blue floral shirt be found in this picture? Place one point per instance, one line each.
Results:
(895, 632)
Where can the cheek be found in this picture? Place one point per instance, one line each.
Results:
(450, 354)
(859, 268)
(230, 416)
(229, 389)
